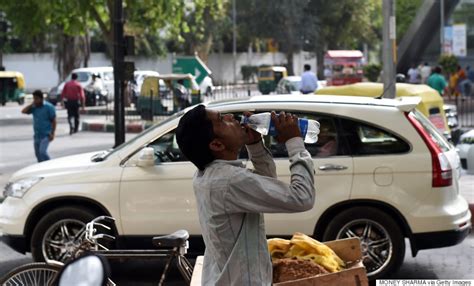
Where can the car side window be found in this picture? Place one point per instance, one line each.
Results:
(329, 143)
(365, 139)
(167, 149)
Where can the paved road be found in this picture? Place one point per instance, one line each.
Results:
(16, 151)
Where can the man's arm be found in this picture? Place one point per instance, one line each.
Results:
(262, 160)
(27, 109)
(249, 192)
(82, 97)
(53, 129)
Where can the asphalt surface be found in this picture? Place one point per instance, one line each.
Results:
(16, 151)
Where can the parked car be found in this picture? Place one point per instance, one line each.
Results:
(466, 140)
(84, 77)
(289, 84)
(388, 175)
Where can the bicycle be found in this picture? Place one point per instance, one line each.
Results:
(172, 246)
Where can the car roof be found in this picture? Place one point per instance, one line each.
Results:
(403, 103)
(293, 78)
(94, 69)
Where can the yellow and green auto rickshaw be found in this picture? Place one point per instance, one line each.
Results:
(12, 87)
(268, 78)
(166, 94)
(431, 104)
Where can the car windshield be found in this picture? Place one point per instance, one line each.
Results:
(82, 76)
(105, 154)
(295, 85)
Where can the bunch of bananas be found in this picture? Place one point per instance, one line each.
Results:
(304, 247)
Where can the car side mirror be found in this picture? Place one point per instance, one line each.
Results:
(146, 158)
(91, 270)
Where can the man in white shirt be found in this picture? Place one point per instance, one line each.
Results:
(413, 74)
(231, 199)
(425, 73)
(309, 81)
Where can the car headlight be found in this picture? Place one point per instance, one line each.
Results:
(19, 188)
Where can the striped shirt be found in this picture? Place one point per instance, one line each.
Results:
(231, 201)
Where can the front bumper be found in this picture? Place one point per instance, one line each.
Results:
(17, 242)
(428, 240)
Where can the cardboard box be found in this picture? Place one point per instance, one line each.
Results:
(347, 249)
(356, 275)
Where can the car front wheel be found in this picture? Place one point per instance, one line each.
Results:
(59, 232)
(382, 242)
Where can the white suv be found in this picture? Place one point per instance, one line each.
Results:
(383, 173)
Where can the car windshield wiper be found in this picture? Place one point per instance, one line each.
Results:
(99, 157)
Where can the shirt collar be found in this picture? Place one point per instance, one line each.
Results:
(238, 163)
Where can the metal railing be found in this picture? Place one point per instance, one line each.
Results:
(161, 108)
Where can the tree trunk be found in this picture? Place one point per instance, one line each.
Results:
(320, 61)
(68, 55)
(289, 60)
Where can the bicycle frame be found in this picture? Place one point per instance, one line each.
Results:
(90, 243)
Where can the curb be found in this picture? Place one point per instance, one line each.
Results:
(130, 127)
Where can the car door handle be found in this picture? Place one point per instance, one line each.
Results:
(332, 167)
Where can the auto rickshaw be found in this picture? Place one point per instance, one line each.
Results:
(166, 94)
(268, 78)
(431, 104)
(12, 87)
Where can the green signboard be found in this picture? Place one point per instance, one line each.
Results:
(192, 65)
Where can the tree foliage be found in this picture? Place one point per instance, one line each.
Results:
(66, 24)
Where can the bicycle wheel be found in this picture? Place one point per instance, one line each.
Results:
(33, 274)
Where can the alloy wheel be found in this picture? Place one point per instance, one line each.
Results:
(376, 244)
(61, 239)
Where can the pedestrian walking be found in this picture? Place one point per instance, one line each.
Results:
(73, 97)
(453, 84)
(425, 73)
(470, 73)
(309, 81)
(182, 96)
(44, 124)
(231, 199)
(414, 74)
(464, 84)
(437, 81)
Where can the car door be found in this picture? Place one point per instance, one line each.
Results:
(333, 178)
(159, 199)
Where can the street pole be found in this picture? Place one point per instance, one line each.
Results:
(441, 32)
(234, 39)
(119, 110)
(389, 48)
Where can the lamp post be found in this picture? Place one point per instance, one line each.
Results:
(389, 48)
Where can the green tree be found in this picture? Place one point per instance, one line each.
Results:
(66, 24)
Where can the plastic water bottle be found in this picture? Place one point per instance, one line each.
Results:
(263, 124)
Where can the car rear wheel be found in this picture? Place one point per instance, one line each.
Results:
(58, 233)
(382, 242)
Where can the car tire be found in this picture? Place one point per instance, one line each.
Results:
(382, 242)
(21, 101)
(51, 226)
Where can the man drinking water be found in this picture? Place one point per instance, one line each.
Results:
(231, 199)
